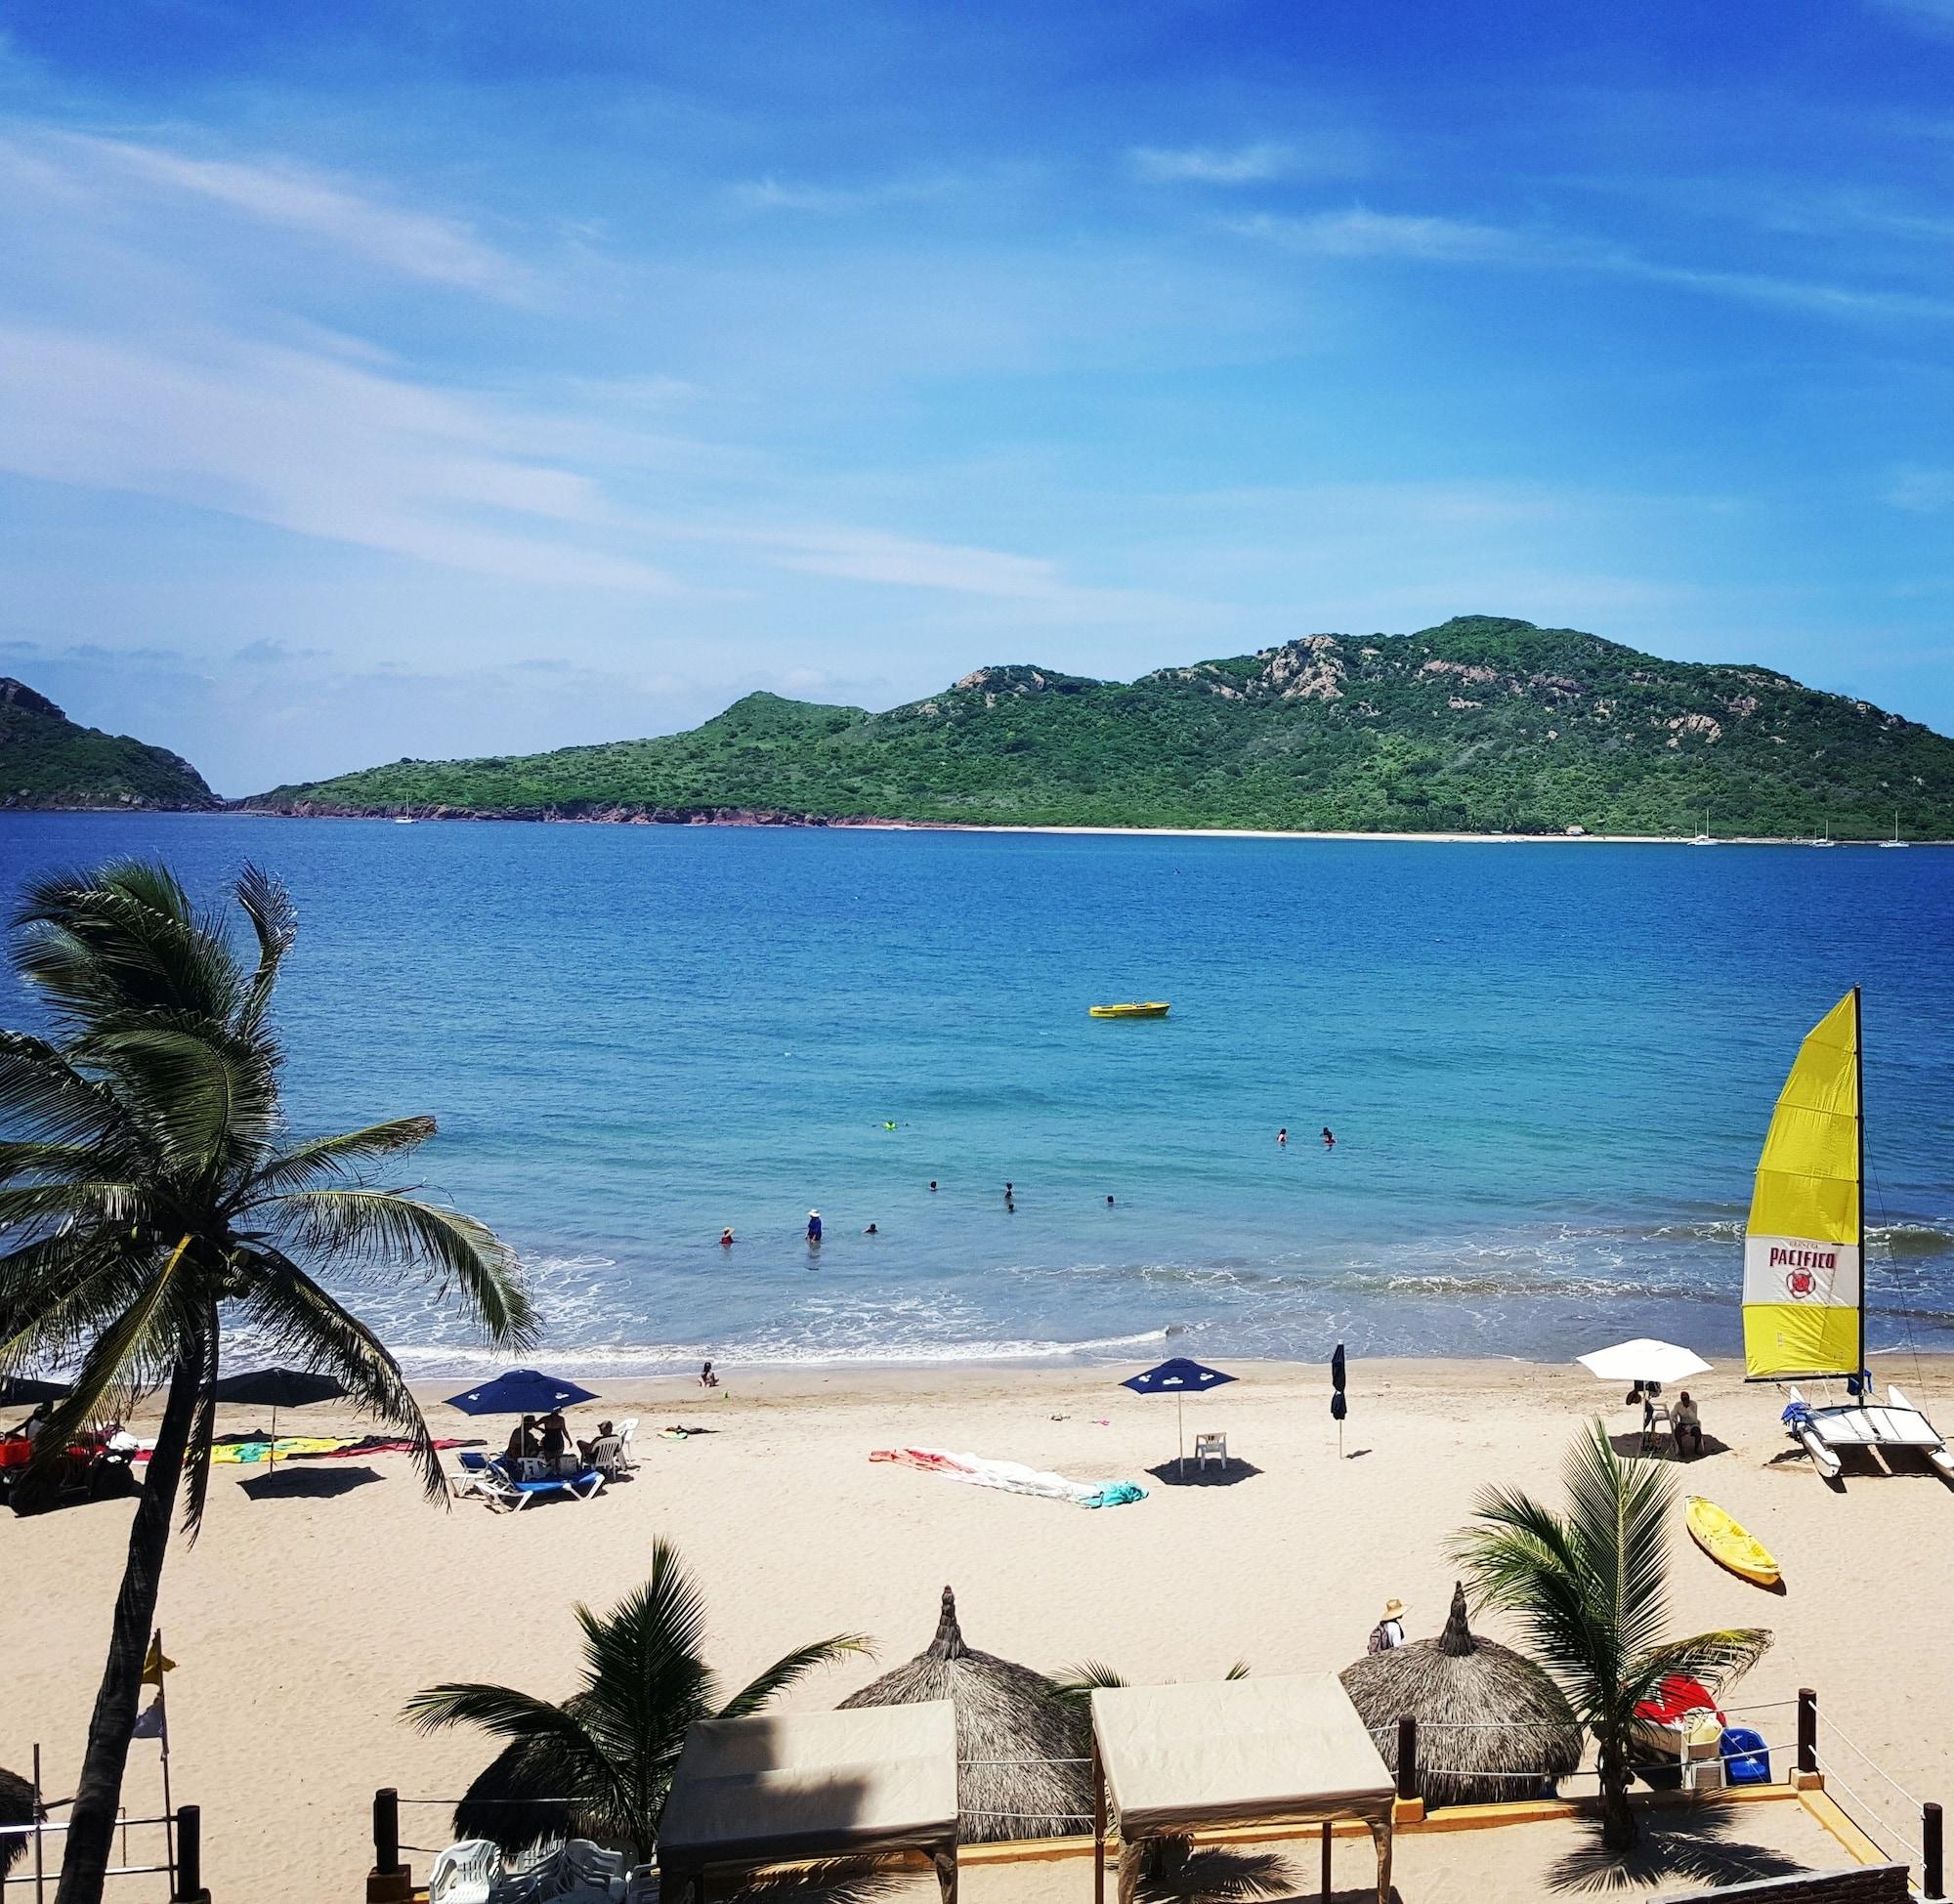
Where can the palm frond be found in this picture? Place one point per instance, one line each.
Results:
(202, 1441)
(275, 923)
(1712, 1659)
(1075, 1685)
(337, 1156)
(45, 1099)
(764, 1687)
(309, 1326)
(358, 1226)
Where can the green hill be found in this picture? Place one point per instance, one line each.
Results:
(1481, 725)
(47, 760)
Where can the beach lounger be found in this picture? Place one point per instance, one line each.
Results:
(466, 1873)
(494, 1486)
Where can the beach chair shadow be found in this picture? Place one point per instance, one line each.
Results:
(1696, 1847)
(1629, 1444)
(308, 1483)
(1170, 1474)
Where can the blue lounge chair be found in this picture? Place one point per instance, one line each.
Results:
(491, 1480)
(1744, 1758)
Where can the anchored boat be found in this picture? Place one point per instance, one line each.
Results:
(1804, 1251)
(1154, 1009)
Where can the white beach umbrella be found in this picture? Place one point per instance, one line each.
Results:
(1643, 1360)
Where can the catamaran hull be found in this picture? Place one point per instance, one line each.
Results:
(1894, 1423)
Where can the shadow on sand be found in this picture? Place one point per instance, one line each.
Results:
(1170, 1474)
(1701, 1851)
(306, 1483)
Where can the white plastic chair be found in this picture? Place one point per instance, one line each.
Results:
(626, 1430)
(466, 1873)
(1210, 1447)
(588, 1871)
(607, 1455)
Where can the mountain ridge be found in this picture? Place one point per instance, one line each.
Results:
(48, 761)
(1481, 724)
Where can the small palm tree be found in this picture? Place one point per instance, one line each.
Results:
(599, 1765)
(148, 1189)
(1590, 1590)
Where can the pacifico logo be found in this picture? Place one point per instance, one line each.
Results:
(1797, 1264)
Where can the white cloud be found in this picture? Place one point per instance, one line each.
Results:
(1362, 234)
(1920, 490)
(295, 198)
(1212, 164)
(772, 194)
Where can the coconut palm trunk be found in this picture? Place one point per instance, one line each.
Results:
(97, 1795)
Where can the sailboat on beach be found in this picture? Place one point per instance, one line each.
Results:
(1805, 1252)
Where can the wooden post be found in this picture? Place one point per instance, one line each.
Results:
(40, 1869)
(387, 1829)
(1407, 1757)
(1098, 1825)
(190, 1855)
(1929, 1852)
(1808, 1729)
(1326, 1861)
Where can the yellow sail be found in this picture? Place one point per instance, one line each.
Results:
(1801, 1248)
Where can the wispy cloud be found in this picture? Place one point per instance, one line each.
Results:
(336, 211)
(1921, 490)
(1254, 164)
(1362, 234)
(1359, 232)
(774, 194)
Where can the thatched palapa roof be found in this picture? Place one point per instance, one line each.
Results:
(17, 1807)
(1491, 1723)
(1023, 1751)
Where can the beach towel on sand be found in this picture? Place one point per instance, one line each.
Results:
(1013, 1478)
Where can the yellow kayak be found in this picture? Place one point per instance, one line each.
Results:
(1729, 1544)
(1156, 1009)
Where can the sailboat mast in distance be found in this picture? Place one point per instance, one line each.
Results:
(1805, 1245)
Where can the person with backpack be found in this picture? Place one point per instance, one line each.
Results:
(1389, 1633)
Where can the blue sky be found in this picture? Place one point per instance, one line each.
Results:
(473, 377)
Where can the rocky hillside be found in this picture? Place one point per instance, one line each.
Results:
(47, 760)
(1479, 725)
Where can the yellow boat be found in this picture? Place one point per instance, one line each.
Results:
(1154, 1009)
(1729, 1544)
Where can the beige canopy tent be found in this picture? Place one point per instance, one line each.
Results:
(782, 1788)
(1248, 1752)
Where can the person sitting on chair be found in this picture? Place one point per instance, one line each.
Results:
(1687, 1427)
(603, 1433)
(521, 1444)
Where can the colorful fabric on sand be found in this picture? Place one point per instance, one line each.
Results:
(980, 1471)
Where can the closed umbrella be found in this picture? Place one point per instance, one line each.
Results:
(1338, 1407)
(275, 1388)
(1180, 1379)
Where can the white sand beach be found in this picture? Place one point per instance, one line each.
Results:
(303, 1620)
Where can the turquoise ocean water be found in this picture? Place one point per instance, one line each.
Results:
(1548, 1069)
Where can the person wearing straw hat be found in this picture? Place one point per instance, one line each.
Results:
(814, 1226)
(1389, 1633)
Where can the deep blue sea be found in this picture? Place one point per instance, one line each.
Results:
(1548, 1069)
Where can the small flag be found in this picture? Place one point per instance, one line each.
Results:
(154, 1664)
(151, 1724)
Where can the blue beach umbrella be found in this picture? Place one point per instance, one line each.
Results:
(520, 1391)
(1180, 1379)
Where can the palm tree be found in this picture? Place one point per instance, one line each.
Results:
(599, 1765)
(1590, 1590)
(147, 1188)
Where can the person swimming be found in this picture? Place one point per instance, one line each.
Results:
(726, 1238)
(871, 1229)
(932, 1183)
(1109, 1200)
(1328, 1138)
(1282, 1138)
